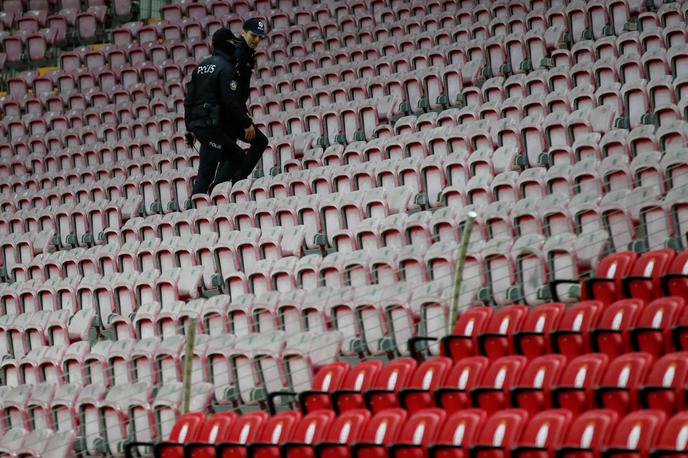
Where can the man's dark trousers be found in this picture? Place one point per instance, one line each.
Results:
(221, 159)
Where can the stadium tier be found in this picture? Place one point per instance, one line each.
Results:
(315, 295)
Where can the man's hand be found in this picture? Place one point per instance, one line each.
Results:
(190, 139)
(250, 133)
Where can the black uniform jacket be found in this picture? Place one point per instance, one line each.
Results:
(215, 96)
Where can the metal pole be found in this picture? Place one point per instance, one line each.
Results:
(458, 273)
(188, 364)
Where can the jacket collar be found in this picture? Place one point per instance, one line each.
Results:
(224, 55)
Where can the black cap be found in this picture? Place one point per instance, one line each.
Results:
(255, 25)
(221, 37)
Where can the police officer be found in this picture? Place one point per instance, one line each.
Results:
(215, 110)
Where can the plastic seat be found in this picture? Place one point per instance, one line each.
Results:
(360, 378)
(635, 434)
(612, 333)
(652, 331)
(492, 392)
(427, 377)
(392, 377)
(453, 394)
(618, 389)
(670, 440)
(311, 429)
(500, 432)
(463, 341)
(382, 430)
(420, 429)
(571, 338)
(327, 380)
(497, 339)
(588, 433)
(533, 390)
(458, 434)
(607, 283)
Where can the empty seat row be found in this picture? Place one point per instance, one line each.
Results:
(624, 384)
(239, 369)
(429, 432)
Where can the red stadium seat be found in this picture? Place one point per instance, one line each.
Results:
(346, 429)
(497, 339)
(276, 430)
(588, 434)
(427, 377)
(392, 377)
(534, 336)
(420, 429)
(618, 389)
(572, 338)
(458, 434)
(664, 387)
(652, 331)
(643, 282)
(607, 284)
(492, 393)
(382, 430)
(543, 434)
(574, 390)
(672, 440)
(500, 432)
(247, 428)
(454, 394)
(327, 380)
(635, 434)
(311, 430)
(611, 335)
(533, 390)
(463, 341)
(675, 280)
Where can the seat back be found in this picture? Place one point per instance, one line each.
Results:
(579, 318)
(652, 332)
(614, 266)
(471, 323)
(466, 373)
(395, 374)
(652, 264)
(348, 426)
(546, 429)
(503, 428)
(678, 286)
(625, 372)
(499, 377)
(620, 316)
(185, 429)
(461, 428)
(215, 429)
(358, 379)
(540, 321)
(384, 427)
(247, 427)
(279, 427)
(638, 430)
(422, 427)
(310, 430)
(665, 384)
(427, 377)
(327, 379)
(674, 434)
(501, 327)
(591, 430)
(537, 380)
(582, 373)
